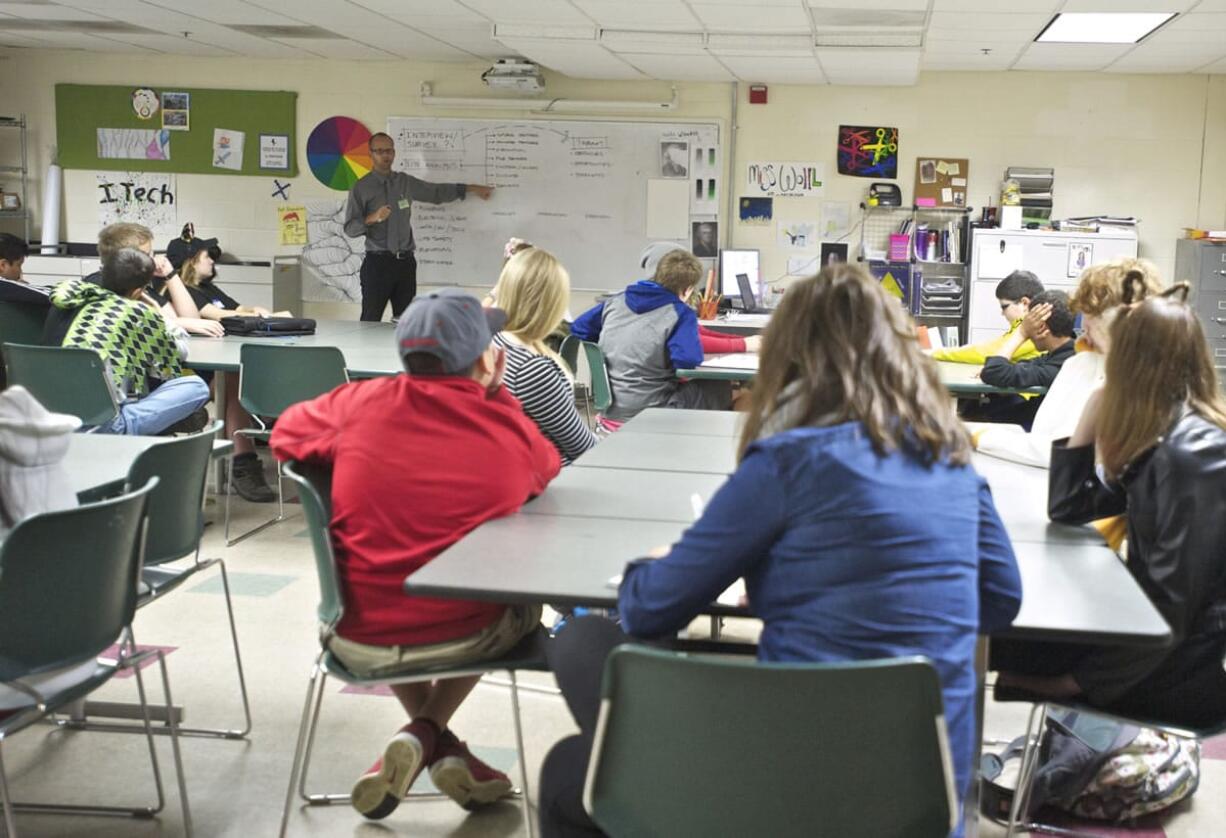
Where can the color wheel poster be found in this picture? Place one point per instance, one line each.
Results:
(338, 152)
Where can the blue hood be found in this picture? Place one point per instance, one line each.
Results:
(645, 295)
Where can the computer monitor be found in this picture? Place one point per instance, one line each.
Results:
(733, 262)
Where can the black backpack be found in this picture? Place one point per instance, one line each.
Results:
(268, 327)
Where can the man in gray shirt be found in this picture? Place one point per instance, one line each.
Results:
(379, 208)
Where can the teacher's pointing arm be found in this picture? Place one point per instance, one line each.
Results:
(442, 193)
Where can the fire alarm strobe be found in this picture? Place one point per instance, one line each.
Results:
(757, 94)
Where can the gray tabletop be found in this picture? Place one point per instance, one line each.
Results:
(662, 420)
(663, 452)
(626, 494)
(369, 348)
(1082, 593)
(558, 559)
(631, 493)
(96, 461)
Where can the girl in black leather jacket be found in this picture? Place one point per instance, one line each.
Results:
(1158, 432)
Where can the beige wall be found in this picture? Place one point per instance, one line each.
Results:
(1129, 145)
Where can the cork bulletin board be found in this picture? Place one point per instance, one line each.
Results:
(941, 181)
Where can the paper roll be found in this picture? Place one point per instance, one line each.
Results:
(52, 188)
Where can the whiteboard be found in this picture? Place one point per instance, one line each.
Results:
(575, 188)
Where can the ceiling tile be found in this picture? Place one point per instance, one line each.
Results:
(82, 41)
(772, 69)
(1197, 22)
(474, 38)
(870, 66)
(225, 12)
(984, 22)
(679, 67)
(792, 46)
(967, 63)
(46, 11)
(338, 48)
(1216, 67)
(664, 14)
(1047, 7)
(412, 11)
(1070, 56)
(893, 5)
(1128, 5)
(743, 17)
(1180, 59)
(529, 11)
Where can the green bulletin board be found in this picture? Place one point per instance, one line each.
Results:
(81, 109)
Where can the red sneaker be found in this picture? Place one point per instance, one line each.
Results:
(464, 778)
(379, 791)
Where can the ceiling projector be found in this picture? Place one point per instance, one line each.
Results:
(514, 74)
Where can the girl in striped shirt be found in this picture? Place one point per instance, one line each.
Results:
(533, 290)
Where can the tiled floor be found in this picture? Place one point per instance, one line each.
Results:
(238, 788)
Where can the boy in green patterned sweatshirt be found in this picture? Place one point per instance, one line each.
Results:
(140, 354)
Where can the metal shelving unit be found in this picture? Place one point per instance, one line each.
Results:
(879, 222)
(19, 173)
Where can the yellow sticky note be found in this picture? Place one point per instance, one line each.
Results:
(292, 222)
(954, 168)
(942, 167)
(891, 286)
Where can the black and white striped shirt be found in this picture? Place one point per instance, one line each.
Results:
(548, 398)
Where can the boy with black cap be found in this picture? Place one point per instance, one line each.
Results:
(418, 461)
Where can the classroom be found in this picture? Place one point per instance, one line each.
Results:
(698, 417)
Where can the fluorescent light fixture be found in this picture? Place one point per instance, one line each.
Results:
(1102, 27)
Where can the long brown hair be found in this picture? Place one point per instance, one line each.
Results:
(1159, 362)
(839, 349)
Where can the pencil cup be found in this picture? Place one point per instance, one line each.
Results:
(708, 309)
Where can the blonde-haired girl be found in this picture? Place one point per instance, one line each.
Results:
(534, 290)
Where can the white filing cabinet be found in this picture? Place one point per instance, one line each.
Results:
(1052, 256)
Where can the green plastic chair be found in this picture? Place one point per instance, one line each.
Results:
(271, 379)
(769, 749)
(569, 352)
(602, 393)
(68, 589)
(176, 523)
(22, 322)
(64, 379)
(314, 485)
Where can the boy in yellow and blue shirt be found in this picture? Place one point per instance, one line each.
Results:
(1014, 293)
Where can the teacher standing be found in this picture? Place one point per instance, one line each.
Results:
(379, 208)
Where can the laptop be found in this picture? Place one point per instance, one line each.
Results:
(749, 303)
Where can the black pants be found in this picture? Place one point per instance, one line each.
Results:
(386, 277)
(577, 658)
(1187, 689)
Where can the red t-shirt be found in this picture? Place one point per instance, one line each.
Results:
(717, 343)
(417, 463)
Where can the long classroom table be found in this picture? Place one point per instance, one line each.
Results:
(959, 379)
(566, 550)
(369, 348)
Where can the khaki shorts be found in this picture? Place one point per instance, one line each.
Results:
(493, 641)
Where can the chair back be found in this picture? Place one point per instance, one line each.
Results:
(22, 322)
(65, 379)
(176, 508)
(314, 485)
(569, 352)
(811, 749)
(68, 582)
(273, 377)
(602, 393)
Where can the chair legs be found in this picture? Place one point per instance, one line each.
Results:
(205, 732)
(309, 724)
(132, 662)
(280, 516)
